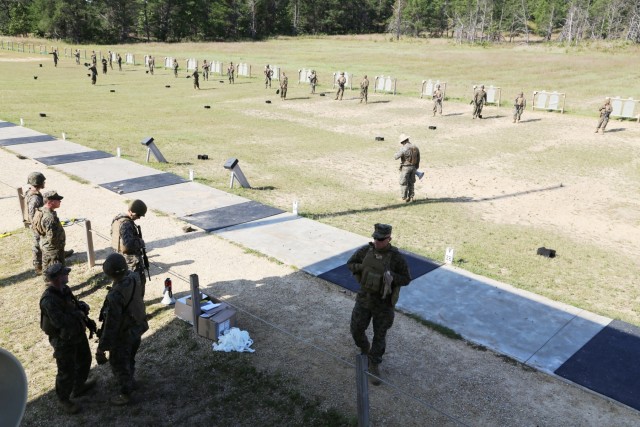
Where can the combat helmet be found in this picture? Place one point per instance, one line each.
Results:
(36, 179)
(115, 265)
(138, 207)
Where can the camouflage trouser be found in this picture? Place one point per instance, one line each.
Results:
(122, 359)
(369, 306)
(231, 78)
(35, 249)
(340, 93)
(313, 88)
(477, 110)
(437, 106)
(602, 123)
(74, 363)
(205, 75)
(517, 112)
(283, 93)
(51, 257)
(407, 181)
(267, 82)
(364, 93)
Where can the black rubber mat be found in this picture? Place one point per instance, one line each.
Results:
(143, 183)
(6, 124)
(608, 364)
(229, 216)
(26, 140)
(341, 276)
(74, 157)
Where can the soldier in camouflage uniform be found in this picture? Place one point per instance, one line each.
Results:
(381, 270)
(605, 112)
(124, 317)
(33, 200)
(230, 73)
(519, 104)
(479, 99)
(196, 79)
(126, 240)
(52, 235)
(205, 70)
(437, 97)
(175, 67)
(64, 319)
(284, 83)
(409, 156)
(151, 62)
(313, 80)
(268, 73)
(342, 80)
(364, 90)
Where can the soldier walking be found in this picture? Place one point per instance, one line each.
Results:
(34, 201)
(124, 321)
(64, 319)
(605, 112)
(364, 90)
(341, 82)
(409, 156)
(381, 270)
(479, 99)
(437, 97)
(519, 104)
(284, 83)
(127, 240)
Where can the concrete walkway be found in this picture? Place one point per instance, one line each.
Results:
(552, 337)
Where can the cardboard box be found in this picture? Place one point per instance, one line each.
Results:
(215, 316)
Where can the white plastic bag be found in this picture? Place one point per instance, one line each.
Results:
(234, 340)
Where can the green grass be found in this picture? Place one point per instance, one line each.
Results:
(323, 153)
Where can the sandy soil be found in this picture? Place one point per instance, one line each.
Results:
(300, 323)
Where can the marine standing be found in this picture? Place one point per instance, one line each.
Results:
(110, 57)
(64, 319)
(55, 57)
(127, 240)
(104, 65)
(519, 104)
(124, 321)
(437, 97)
(313, 80)
(205, 70)
(381, 270)
(284, 83)
(152, 64)
(34, 200)
(196, 79)
(479, 99)
(364, 90)
(119, 59)
(175, 67)
(94, 58)
(77, 55)
(94, 74)
(341, 82)
(605, 112)
(230, 73)
(268, 73)
(52, 235)
(409, 156)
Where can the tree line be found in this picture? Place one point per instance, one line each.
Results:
(472, 21)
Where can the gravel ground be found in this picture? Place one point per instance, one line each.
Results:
(299, 325)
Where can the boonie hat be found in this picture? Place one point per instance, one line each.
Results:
(402, 138)
(381, 231)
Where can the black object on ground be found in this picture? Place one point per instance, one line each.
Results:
(549, 253)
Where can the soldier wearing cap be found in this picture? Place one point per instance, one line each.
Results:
(124, 321)
(519, 104)
(437, 97)
(605, 112)
(284, 83)
(342, 80)
(381, 270)
(34, 200)
(52, 236)
(64, 319)
(409, 156)
(126, 239)
(479, 99)
(364, 90)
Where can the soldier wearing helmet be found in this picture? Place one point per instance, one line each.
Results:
(313, 80)
(124, 321)
(342, 80)
(126, 239)
(519, 105)
(479, 99)
(437, 97)
(33, 200)
(268, 73)
(605, 112)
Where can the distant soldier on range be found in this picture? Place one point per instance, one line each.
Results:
(437, 97)
(268, 73)
(605, 112)
(342, 80)
(313, 80)
(479, 99)
(519, 104)
(364, 90)
(126, 239)
(284, 83)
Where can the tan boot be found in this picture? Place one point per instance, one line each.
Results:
(38, 269)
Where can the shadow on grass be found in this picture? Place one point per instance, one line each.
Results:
(386, 101)
(265, 188)
(530, 120)
(299, 97)
(616, 130)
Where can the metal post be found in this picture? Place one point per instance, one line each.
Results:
(362, 387)
(23, 208)
(148, 154)
(195, 300)
(91, 255)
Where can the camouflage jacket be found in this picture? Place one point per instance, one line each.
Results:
(54, 238)
(606, 110)
(409, 155)
(437, 95)
(364, 84)
(125, 240)
(520, 102)
(285, 82)
(60, 316)
(480, 97)
(34, 201)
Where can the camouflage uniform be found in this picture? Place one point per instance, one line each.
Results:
(205, 70)
(284, 83)
(364, 90)
(230, 73)
(605, 112)
(94, 74)
(94, 58)
(55, 58)
(152, 64)
(437, 96)
(34, 201)
(104, 66)
(110, 56)
(175, 68)
(313, 81)
(77, 55)
(196, 79)
(368, 265)
(479, 99)
(62, 319)
(268, 73)
(519, 104)
(119, 62)
(52, 238)
(342, 80)
(409, 156)
(124, 317)
(126, 241)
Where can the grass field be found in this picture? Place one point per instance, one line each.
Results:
(322, 153)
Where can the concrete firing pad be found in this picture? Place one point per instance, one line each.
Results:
(186, 198)
(109, 169)
(309, 245)
(25, 140)
(510, 321)
(47, 149)
(231, 215)
(6, 124)
(141, 183)
(73, 157)
(17, 132)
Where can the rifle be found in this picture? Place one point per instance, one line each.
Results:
(143, 250)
